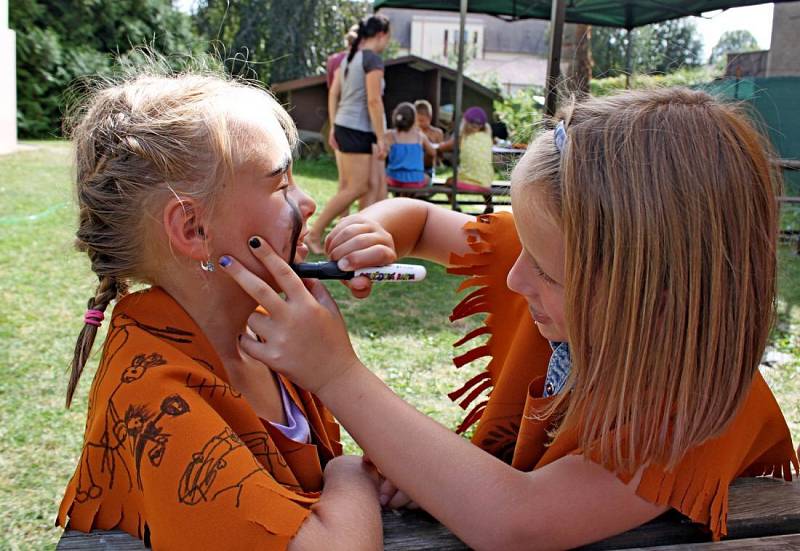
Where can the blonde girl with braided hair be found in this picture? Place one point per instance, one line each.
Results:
(629, 298)
(190, 442)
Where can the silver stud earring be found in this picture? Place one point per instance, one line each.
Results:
(207, 265)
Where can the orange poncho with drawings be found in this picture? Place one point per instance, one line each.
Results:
(176, 456)
(756, 442)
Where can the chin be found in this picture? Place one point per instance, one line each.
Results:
(550, 332)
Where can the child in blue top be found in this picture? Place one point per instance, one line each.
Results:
(407, 147)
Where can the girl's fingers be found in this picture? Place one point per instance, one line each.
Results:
(344, 230)
(259, 325)
(289, 282)
(375, 255)
(252, 284)
(360, 287)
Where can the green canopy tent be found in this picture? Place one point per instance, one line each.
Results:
(622, 13)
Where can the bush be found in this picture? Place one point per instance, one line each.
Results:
(522, 113)
(682, 77)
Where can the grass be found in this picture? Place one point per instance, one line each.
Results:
(402, 332)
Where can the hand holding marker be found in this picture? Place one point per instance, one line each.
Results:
(390, 272)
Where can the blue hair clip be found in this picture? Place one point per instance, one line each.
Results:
(560, 136)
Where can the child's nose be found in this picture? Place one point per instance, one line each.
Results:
(305, 203)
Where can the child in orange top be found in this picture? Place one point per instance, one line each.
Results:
(646, 240)
(190, 443)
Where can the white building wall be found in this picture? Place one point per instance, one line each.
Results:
(430, 33)
(8, 83)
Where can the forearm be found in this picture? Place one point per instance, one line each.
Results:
(421, 229)
(437, 468)
(375, 108)
(347, 516)
(333, 105)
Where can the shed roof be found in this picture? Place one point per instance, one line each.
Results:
(413, 61)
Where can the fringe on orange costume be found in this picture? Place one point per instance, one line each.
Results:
(757, 442)
(175, 456)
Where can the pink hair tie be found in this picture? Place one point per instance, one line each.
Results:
(93, 317)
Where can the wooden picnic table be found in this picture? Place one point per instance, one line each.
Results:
(764, 513)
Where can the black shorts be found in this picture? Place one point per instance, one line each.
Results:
(353, 141)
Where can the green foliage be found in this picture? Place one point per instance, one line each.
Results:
(60, 40)
(276, 40)
(655, 49)
(733, 42)
(521, 112)
(682, 77)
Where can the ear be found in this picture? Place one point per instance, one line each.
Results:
(184, 227)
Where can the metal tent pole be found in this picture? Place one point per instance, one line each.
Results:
(628, 59)
(459, 97)
(557, 16)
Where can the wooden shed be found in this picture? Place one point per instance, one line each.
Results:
(408, 78)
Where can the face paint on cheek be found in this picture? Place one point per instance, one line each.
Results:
(297, 224)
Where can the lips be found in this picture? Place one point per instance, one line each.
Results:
(537, 316)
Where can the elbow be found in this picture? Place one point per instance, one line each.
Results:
(375, 103)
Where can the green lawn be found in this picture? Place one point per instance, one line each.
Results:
(402, 332)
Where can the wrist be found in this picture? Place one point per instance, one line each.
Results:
(344, 386)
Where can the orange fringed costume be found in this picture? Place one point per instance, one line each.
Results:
(757, 441)
(176, 456)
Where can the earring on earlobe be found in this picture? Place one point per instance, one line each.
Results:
(207, 265)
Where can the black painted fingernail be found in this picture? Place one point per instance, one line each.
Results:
(254, 242)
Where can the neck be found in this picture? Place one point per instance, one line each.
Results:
(369, 44)
(216, 304)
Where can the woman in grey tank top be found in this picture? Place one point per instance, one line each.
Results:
(357, 120)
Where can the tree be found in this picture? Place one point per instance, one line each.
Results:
(608, 51)
(733, 42)
(659, 48)
(664, 47)
(61, 40)
(277, 40)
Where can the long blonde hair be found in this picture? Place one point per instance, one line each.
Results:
(137, 141)
(667, 201)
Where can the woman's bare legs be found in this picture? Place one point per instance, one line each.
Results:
(356, 170)
(339, 171)
(377, 181)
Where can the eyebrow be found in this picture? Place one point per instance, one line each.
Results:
(282, 167)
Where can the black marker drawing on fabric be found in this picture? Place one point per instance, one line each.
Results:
(210, 387)
(117, 337)
(206, 476)
(173, 406)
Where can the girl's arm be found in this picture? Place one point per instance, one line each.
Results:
(396, 228)
(373, 81)
(333, 105)
(485, 502)
(348, 512)
(428, 146)
(447, 145)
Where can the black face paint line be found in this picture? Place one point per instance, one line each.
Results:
(297, 224)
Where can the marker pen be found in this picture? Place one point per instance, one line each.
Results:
(390, 272)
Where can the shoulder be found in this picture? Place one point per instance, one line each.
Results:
(371, 61)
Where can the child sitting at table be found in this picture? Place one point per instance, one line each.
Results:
(189, 443)
(407, 145)
(435, 135)
(475, 170)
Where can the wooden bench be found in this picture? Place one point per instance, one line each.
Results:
(441, 194)
(763, 513)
